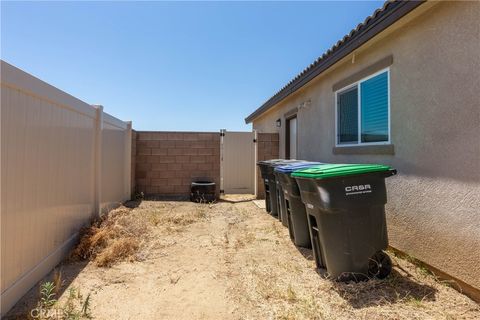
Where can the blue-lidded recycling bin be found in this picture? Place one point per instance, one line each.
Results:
(295, 216)
(267, 169)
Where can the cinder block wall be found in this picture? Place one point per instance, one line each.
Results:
(167, 162)
(268, 148)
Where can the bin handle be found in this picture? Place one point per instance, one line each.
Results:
(390, 173)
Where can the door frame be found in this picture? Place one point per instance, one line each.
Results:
(287, 135)
(255, 156)
(253, 138)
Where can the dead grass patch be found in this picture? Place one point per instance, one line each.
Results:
(116, 236)
(125, 234)
(119, 249)
(244, 239)
(305, 308)
(174, 217)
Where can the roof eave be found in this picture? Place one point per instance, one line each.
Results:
(366, 32)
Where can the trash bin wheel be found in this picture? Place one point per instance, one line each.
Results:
(380, 265)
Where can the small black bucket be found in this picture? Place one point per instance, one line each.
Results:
(203, 190)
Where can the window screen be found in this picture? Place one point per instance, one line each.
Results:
(363, 111)
(348, 116)
(374, 108)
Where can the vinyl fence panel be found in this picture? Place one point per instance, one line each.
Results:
(115, 162)
(49, 175)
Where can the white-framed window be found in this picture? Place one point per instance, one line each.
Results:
(362, 111)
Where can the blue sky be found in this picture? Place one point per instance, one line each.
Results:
(187, 66)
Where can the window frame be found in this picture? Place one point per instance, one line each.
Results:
(359, 106)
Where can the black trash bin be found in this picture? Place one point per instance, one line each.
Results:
(292, 206)
(281, 209)
(267, 169)
(276, 193)
(345, 204)
(264, 171)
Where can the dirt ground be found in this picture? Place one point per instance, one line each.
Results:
(234, 261)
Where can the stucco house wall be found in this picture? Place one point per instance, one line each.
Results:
(433, 208)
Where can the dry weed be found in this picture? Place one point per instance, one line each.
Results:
(174, 278)
(57, 280)
(270, 287)
(174, 218)
(124, 234)
(117, 236)
(244, 239)
(305, 308)
(226, 241)
(118, 250)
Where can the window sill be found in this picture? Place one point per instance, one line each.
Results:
(372, 149)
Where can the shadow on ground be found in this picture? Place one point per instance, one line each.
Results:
(306, 253)
(69, 271)
(132, 204)
(230, 198)
(166, 198)
(395, 288)
(236, 198)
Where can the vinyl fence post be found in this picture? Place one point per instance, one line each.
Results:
(128, 161)
(98, 162)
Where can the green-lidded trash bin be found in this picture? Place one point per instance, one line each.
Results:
(292, 206)
(345, 204)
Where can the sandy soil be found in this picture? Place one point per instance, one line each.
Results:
(234, 261)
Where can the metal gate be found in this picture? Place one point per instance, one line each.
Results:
(237, 162)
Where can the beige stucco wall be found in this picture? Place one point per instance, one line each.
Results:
(434, 201)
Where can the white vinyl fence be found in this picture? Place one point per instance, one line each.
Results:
(63, 161)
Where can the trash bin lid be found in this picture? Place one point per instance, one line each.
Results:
(278, 162)
(268, 162)
(338, 170)
(285, 162)
(289, 168)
